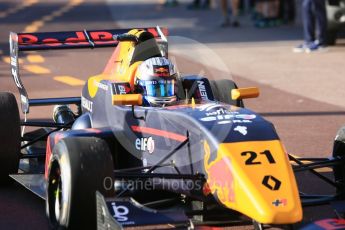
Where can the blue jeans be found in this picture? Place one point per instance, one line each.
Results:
(314, 13)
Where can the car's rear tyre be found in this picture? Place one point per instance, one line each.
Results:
(9, 136)
(339, 151)
(79, 167)
(221, 90)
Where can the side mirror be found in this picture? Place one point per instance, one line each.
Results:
(243, 93)
(127, 99)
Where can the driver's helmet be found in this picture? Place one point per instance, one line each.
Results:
(156, 79)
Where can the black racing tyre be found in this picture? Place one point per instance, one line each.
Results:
(339, 151)
(221, 90)
(9, 136)
(79, 167)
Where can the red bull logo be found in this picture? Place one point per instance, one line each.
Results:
(162, 71)
(219, 176)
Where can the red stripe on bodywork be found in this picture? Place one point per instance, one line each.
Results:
(331, 223)
(158, 132)
(93, 130)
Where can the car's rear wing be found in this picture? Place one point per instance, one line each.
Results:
(61, 40)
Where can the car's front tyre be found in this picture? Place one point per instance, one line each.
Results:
(79, 167)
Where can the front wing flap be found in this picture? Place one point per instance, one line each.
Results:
(119, 213)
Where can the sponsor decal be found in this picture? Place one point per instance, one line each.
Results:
(202, 90)
(145, 163)
(245, 116)
(72, 38)
(280, 202)
(145, 144)
(120, 212)
(241, 121)
(122, 89)
(224, 116)
(219, 174)
(100, 85)
(75, 38)
(161, 71)
(208, 107)
(221, 111)
(241, 129)
(252, 159)
(271, 183)
(86, 104)
(216, 118)
(224, 122)
(14, 72)
(225, 119)
(14, 61)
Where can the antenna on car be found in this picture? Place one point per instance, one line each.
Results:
(187, 98)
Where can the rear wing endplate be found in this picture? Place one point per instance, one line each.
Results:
(61, 40)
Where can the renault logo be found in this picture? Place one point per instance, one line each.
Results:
(271, 182)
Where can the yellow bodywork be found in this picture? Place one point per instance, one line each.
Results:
(94, 82)
(256, 179)
(127, 99)
(243, 93)
(119, 67)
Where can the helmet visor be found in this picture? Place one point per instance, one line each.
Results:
(158, 88)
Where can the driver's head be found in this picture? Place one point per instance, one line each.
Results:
(155, 80)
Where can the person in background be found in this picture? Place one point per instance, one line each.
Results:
(199, 4)
(287, 11)
(267, 13)
(313, 13)
(234, 13)
(171, 3)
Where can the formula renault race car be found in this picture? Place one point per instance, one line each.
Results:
(202, 160)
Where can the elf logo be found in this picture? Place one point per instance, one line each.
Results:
(145, 144)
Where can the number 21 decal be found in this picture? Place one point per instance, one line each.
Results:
(251, 160)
